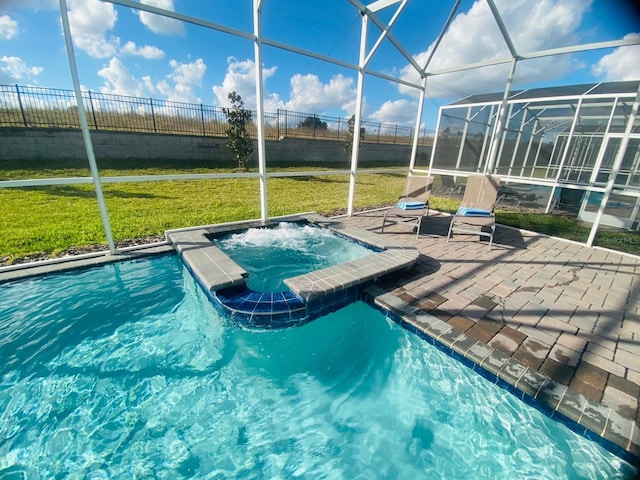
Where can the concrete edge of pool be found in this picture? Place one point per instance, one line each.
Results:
(311, 295)
(591, 419)
(61, 265)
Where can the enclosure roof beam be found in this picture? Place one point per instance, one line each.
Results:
(365, 11)
(182, 17)
(503, 28)
(248, 36)
(541, 53)
(471, 66)
(625, 42)
(447, 24)
(380, 4)
(635, 40)
(385, 32)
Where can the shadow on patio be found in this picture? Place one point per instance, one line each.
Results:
(558, 321)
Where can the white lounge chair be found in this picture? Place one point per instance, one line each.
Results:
(476, 210)
(413, 204)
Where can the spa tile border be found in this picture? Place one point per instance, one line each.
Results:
(582, 415)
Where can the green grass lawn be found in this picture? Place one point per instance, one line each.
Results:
(49, 220)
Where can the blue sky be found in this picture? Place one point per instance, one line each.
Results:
(127, 52)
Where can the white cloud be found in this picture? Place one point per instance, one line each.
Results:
(149, 52)
(158, 23)
(90, 20)
(178, 86)
(118, 80)
(185, 76)
(240, 78)
(621, 64)
(473, 37)
(401, 112)
(14, 69)
(309, 94)
(8, 28)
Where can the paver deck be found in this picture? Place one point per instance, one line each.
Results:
(558, 321)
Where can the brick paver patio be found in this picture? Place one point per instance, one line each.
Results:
(557, 320)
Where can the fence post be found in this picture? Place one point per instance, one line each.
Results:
(24, 118)
(278, 123)
(153, 116)
(286, 123)
(395, 134)
(314, 126)
(93, 112)
(202, 118)
(338, 128)
(379, 127)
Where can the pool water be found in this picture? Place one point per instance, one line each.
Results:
(128, 371)
(271, 255)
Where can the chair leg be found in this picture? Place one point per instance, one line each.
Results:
(422, 217)
(450, 228)
(493, 230)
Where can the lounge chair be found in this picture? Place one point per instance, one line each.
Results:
(413, 205)
(476, 210)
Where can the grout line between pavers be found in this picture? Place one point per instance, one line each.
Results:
(584, 407)
(515, 385)
(606, 424)
(546, 380)
(633, 427)
(526, 369)
(557, 407)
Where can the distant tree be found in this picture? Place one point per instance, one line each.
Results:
(348, 144)
(238, 139)
(313, 123)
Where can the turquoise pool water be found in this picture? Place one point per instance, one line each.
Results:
(272, 254)
(128, 371)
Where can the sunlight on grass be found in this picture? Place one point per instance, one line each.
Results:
(49, 220)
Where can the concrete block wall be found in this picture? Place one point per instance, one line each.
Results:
(61, 144)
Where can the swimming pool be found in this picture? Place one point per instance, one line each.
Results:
(128, 370)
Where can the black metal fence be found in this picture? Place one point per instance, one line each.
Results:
(26, 106)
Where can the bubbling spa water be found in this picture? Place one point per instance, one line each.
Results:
(272, 254)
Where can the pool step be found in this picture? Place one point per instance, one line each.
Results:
(213, 268)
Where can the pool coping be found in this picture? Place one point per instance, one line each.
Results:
(311, 294)
(79, 262)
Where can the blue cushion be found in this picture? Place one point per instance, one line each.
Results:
(411, 205)
(473, 212)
